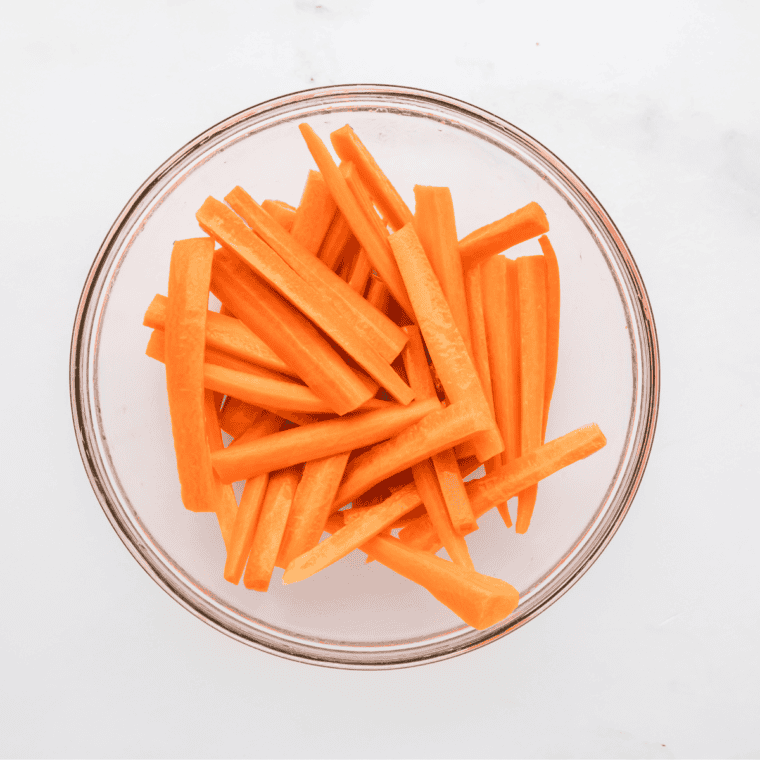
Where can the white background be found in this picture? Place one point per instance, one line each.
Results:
(655, 652)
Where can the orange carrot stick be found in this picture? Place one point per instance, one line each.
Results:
(531, 287)
(224, 333)
(474, 292)
(250, 506)
(350, 148)
(369, 524)
(377, 293)
(436, 229)
(251, 384)
(513, 478)
(479, 600)
(436, 432)
(222, 223)
(370, 324)
(312, 506)
(442, 338)
(271, 525)
(336, 241)
(360, 272)
(189, 275)
(500, 359)
(373, 243)
(512, 390)
(283, 212)
(318, 440)
(290, 335)
(314, 214)
(450, 492)
(496, 237)
(426, 480)
(225, 505)
(237, 416)
(552, 325)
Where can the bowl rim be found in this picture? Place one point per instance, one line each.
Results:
(367, 657)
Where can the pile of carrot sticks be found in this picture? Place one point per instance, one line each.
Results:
(365, 362)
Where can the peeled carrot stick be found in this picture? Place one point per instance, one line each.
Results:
(531, 288)
(312, 506)
(224, 333)
(525, 223)
(426, 480)
(510, 314)
(378, 293)
(442, 338)
(350, 148)
(314, 214)
(369, 524)
(513, 478)
(474, 292)
(552, 325)
(252, 385)
(288, 333)
(336, 241)
(187, 306)
(360, 272)
(357, 187)
(450, 492)
(436, 228)
(438, 431)
(271, 525)
(481, 601)
(225, 505)
(318, 440)
(237, 416)
(374, 244)
(250, 506)
(283, 212)
(370, 324)
(222, 223)
(498, 331)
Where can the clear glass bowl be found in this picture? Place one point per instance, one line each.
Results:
(355, 615)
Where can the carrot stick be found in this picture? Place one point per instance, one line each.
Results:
(350, 148)
(552, 325)
(438, 431)
(496, 237)
(370, 324)
(512, 390)
(336, 241)
(317, 305)
(250, 506)
(474, 292)
(283, 212)
(513, 478)
(373, 243)
(531, 288)
(360, 272)
(237, 416)
(426, 480)
(450, 487)
(436, 229)
(377, 293)
(314, 214)
(318, 440)
(500, 359)
(271, 525)
(369, 524)
(479, 600)
(187, 306)
(225, 505)
(312, 506)
(224, 333)
(253, 385)
(442, 338)
(290, 335)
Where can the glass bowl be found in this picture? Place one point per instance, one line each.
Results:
(358, 615)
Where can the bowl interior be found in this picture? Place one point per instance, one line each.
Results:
(352, 612)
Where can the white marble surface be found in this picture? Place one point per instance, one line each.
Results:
(654, 653)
